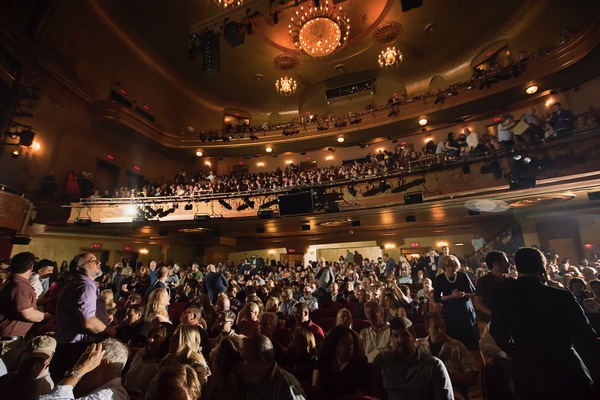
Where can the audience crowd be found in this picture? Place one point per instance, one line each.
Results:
(262, 328)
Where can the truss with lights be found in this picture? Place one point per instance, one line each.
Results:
(390, 58)
(228, 4)
(319, 31)
(286, 86)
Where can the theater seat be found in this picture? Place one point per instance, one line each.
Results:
(282, 335)
(322, 312)
(313, 392)
(360, 324)
(326, 323)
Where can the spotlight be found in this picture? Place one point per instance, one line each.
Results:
(163, 214)
(268, 204)
(201, 217)
(188, 207)
(248, 202)
(15, 154)
(352, 190)
(517, 157)
(383, 186)
(526, 160)
(225, 204)
(150, 212)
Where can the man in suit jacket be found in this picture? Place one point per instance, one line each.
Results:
(535, 324)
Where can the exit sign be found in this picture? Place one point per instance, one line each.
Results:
(415, 244)
(127, 248)
(96, 245)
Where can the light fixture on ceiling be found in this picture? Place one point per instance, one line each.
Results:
(35, 146)
(340, 139)
(390, 58)
(199, 153)
(286, 86)
(269, 149)
(319, 31)
(228, 4)
(423, 120)
(531, 89)
(15, 153)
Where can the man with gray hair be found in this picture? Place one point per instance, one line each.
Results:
(97, 374)
(214, 283)
(264, 378)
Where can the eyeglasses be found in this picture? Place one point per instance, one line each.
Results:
(93, 260)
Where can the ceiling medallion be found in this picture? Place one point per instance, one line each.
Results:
(387, 34)
(228, 4)
(286, 86)
(286, 62)
(390, 58)
(319, 31)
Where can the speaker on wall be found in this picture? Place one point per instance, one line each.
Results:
(474, 212)
(233, 34)
(355, 222)
(411, 218)
(413, 198)
(306, 226)
(592, 196)
(260, 229)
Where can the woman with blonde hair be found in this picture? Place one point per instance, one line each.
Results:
(156, 308)
(454, 290)
(247, 320)
(344, 317)
(109, 302)
(185, 348)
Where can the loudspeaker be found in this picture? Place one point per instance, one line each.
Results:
(474, 212)
(414, 198)
(232, 33)
(332, 207)
(20, 239)
(26, 138)
(592, 196)
(306, 226)
(201, 217)
(410, 4)
(260, 229)
(262, 214)
(355, 222)
(163, 232)
(210, 52)
(522, 182)
(410, 218)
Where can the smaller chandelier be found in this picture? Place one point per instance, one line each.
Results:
(390, 58)
(286, 86)
(319, 31)
(228, 4)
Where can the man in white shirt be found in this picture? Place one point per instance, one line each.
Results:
(40, 278)
(376, 338)
(97, 374)
(309, 299)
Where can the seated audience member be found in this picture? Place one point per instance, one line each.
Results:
(264, 379)
(459, 362)
(300, 356)
(405, 372)
(452, 146)
(301, 314)
(247, 320)
(268, 323)
(177, 382)
(96, 375)
(393, 306)
(156, 308)
(225, 322)
(344, 318)
(309, 299)
(593, 305)
(500, 367)
(577, 287)
(223, 303)
(364, 295)
(32, 378)
(225, 360)
(287, 302)
(146, 362)
(430, 306)
(185, 348)
(549, 132)
(563, 119)
(193, 316)
(342, 368)
(132, 330)
(375, 338)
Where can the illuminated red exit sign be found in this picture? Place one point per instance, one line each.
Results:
(415, 244)
(96, 245)
(127, 248)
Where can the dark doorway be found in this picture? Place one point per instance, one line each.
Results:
(107, 176)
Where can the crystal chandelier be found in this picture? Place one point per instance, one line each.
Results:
(390, 58)
(319, 31)
(286, 86)
(228, 4)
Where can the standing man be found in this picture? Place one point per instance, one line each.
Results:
(535, 324)
(390, 265)
(18, 309)
(152, 272)
(161, 282)
(406, 372)
(213, 283)
(488, 284)
(81, 317)
(324, 275)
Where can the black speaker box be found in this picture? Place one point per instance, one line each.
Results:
(262, 214)
(232, 34)
(474, 212)
(411, 218)
(592, 196)
(522, 182)
(260, 229)
(355, 222)
(414, 198)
